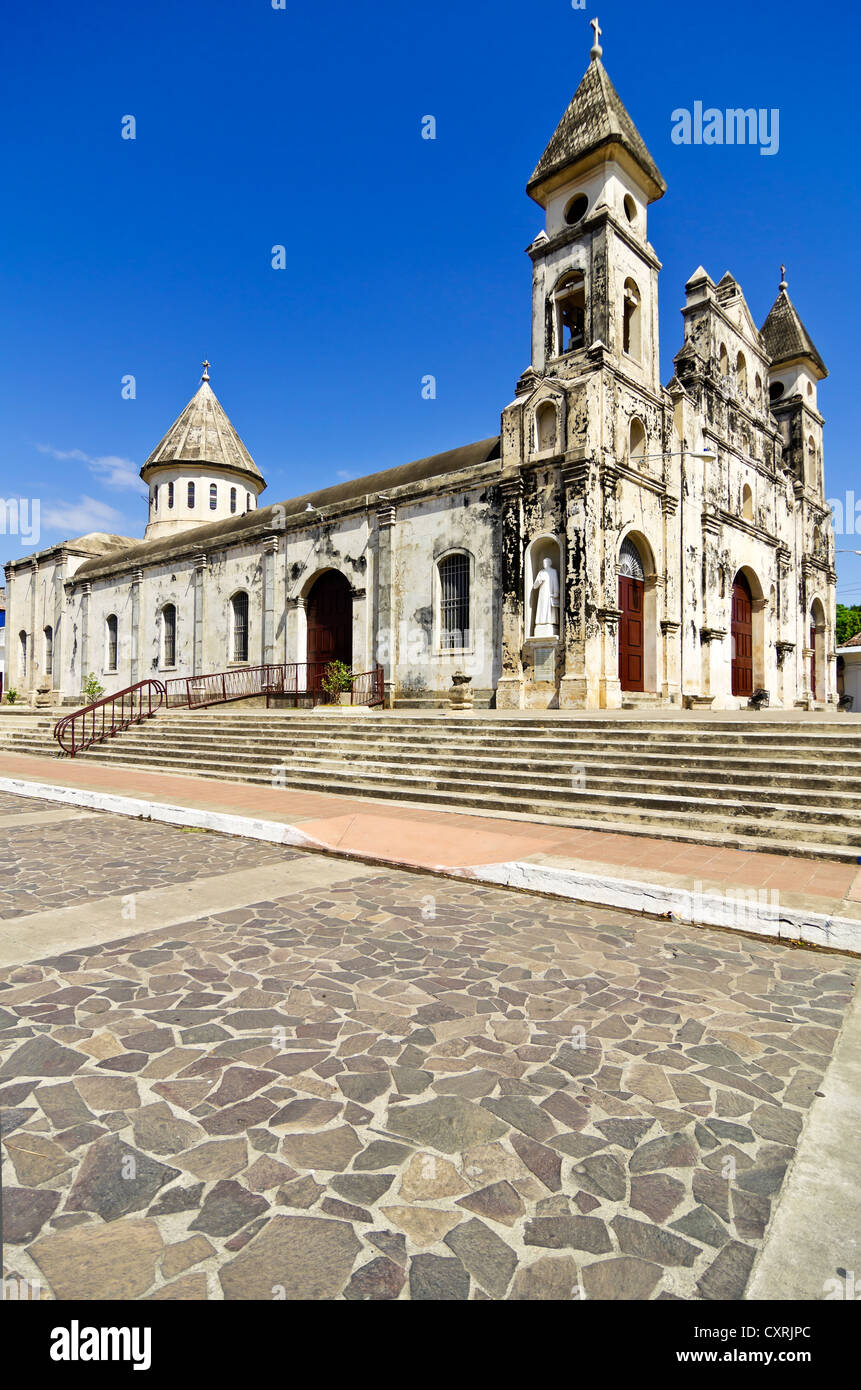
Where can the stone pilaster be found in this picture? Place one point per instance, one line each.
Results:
(574, 687)
(387, 637)
(509, 689)
(610, 685)
(135, 672)
(86, 592)
(201, 564)
(270, 551)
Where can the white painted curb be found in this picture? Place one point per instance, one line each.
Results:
(747, 910)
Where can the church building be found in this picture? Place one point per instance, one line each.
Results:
(618, 543)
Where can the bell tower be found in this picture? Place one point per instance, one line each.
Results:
(594, 272)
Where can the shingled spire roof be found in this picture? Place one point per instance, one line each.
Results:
(596, 118)
(785, 336)
(203, 435)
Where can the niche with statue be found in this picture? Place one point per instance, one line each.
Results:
(543, 590)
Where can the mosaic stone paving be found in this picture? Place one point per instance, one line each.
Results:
(132, 856)
(410, 1088)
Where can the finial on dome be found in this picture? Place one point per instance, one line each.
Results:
(783, 284)
(205, 376)
(597, 50)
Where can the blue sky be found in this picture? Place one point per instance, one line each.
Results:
(302, 127)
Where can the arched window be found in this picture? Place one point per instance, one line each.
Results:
(249, 501)
(630, 561)
(22, 653)
(741, 374)
(631, 343)
(213, 496)
(49, 651)
(191, 497)
(233, 499)
(170, 494)
(239, 641)
(168, 635)
(637, 442)
(569, 299)
(723, 361)
(545, 427)
(747, 503)
(812, 461)
(111, 642)
(155, 498)
(758, 389)
(775, 391)
(454, 617)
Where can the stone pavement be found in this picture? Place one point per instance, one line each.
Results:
(818, 901)
(367, 1083)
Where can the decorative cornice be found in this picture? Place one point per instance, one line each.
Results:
(712, 634)
(669, 625)
(387, 516)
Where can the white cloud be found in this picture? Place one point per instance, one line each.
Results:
(110, 469)
(79, 518)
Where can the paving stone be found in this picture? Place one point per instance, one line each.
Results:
(500, 1202)
(436, 1278)
(781, 1125)
(603, 1175)
(765, 1181)
(266, 1173)
(115, 1179)
(427, 1177)
(226, 1208)
(364, 1087)
(712, 1191)
(158, 1130)
(191, 1288)
(36, 1160)
(449, 1123)
(301, 1192)
(552, 1277)
(42, 1056)
(329, 1149)
(726, 1129)
(63, 1105)
(702, 1225)
(300, 1257)
(217, 1158)
(381, 1153)
(177, 1199)
(184, 1254)
(628, 1133)
(543, 1162)
(750, 1214)
(626, 1278)
(305, 1114)
(561, 1232)
(238, 1083)
(484, 1255)
(668, 1151)
(25, 1211)
(424, 1226)
(237, 1118)
(108, 1092)
(727, 1276)
(521, 1113)
(470, 1085)
(652, 1243)
(364, 1188)
(379, 1280)
(98, 1262)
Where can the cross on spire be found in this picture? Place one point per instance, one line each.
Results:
(783, 284)
(205, 376)
(597, 50)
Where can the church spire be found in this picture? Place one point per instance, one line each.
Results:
(597, 50)
(785, 337)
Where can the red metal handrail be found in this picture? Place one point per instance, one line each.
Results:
(109, 716)
(299, 679)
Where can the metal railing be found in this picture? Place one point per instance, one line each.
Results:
(109, 716)
(298, 681)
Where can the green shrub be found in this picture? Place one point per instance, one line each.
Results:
(92, 689)
(11, 697)
(337, 678)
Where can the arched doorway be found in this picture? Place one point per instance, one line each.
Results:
(632, 641)
(742, 637)
(817, 650)
(330, 620)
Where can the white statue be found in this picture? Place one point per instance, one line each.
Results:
(547, 606)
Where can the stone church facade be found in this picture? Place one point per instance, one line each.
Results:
(618, 543)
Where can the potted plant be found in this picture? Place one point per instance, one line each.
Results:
(337, 680)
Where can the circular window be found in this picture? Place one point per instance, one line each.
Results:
(630, 208)
(776, 391)
(576, 209)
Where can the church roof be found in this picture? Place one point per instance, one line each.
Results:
(596, 117)
(235, 529)
(786, 337)
(202, 434)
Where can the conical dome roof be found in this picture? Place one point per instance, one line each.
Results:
(595, 118)
(785, 336)
(203, 435)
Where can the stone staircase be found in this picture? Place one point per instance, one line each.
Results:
(760, 784)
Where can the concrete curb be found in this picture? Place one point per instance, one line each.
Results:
(747, 911)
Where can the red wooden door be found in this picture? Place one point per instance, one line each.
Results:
(330, 621)
(631, 655)
(813, 661)
(742, 638)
